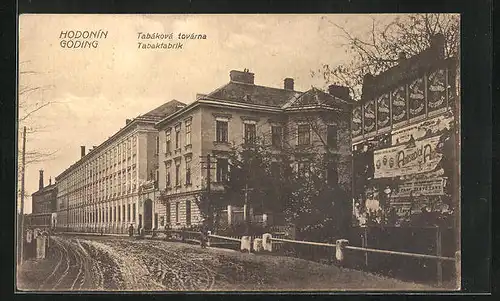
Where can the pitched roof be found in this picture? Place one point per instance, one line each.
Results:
(45, 189)
(253, 94)
(316, 97)
(165, 109)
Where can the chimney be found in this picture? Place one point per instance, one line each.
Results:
(242, 76)
(40, 183)
(127, 121)
(288, 84)
(82, 151)
(401, 57)
(50, 181)
(200, 95)
(339, 91)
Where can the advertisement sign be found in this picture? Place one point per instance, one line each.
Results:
(425, 175)
(357, 122)
(399, 106)
(436, 93)
(420, 187)
(369, 117)
(422, 129)
(383, 113)
(406, 209)
(40, 247)
(417, 157)
(416, 97)
(29, 236)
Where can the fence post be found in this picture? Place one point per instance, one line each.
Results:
(267, 243)
(439, 253)
(340, 249)
(208, 238)
(458, 269)
(257, 245)
(245, 244)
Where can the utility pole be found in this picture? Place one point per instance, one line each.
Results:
(209, 200)
(208, 174)
(208, 190)
(23, 166)
(245, 207)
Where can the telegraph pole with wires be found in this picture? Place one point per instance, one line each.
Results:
(23, 167)
(245, 207)
(208, 166)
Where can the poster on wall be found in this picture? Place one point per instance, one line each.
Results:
(357, 123)
(425, 175)
(416, 100)
(436, 93)
(423, 187)
(430, 127)
(383, 114)
(399, 106)
(369, 117)
(418, 157)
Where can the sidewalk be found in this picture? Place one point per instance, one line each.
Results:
(148, 237)
(93, 234)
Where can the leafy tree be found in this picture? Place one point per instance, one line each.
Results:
(274, 183)
(379, 47)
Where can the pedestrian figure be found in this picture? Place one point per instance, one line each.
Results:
(131, 230)
(203, 236)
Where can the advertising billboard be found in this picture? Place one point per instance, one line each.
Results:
(418, 157)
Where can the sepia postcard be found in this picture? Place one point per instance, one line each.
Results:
(228, 152)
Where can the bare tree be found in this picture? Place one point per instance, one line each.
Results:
(378, 48)
(31, 101)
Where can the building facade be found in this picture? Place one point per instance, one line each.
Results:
(102, 191)
(241, 112)
(404, 139)
(44, 202)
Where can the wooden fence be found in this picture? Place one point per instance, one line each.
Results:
(339, 252)
(328, 253)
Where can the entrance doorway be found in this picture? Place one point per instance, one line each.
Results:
(148, 214)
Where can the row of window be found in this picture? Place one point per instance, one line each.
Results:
(123, 213)
(168, 213)
(105, 215)
(168, 138)
(103, 163)
(177, 171)
(250, 134)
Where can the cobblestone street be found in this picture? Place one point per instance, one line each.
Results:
(126, 264)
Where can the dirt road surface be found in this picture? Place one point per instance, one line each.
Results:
(86, 263)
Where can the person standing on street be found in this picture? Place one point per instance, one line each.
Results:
(131, 230)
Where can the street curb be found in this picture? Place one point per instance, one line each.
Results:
(93, 234)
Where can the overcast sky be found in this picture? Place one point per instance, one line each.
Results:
(95, 90)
